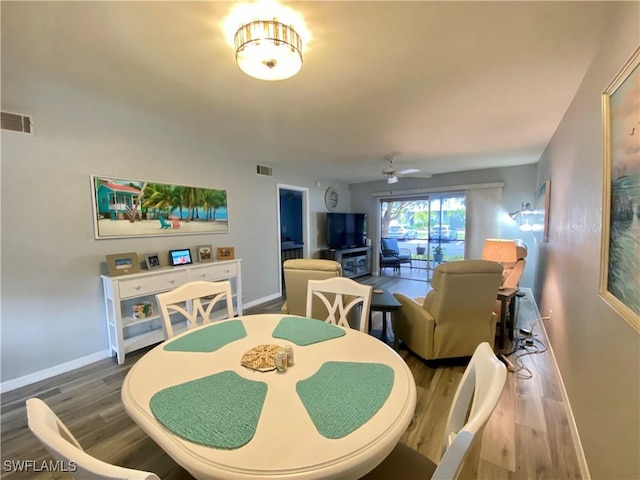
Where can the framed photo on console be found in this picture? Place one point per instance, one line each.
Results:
(123, 263)
(180, 257)
(205, 253)
(152, 260)
(225, 253)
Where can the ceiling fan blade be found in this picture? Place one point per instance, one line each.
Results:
(407, 171)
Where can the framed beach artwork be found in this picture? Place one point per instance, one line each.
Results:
(620, 261)
(541, 211)
(125, 208)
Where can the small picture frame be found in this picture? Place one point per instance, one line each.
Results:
(123, 263)
(152, 260)
(205, 253)
(180, 257)
(225, 253)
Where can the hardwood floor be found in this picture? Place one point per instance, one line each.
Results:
(527, 437)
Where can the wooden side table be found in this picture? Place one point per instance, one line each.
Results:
(507, 296)
(383, 302)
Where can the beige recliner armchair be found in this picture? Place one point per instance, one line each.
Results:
(456, 316)
(297, 273)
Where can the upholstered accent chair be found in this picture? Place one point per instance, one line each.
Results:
(456, 316)
(297, 273)
(391, 255)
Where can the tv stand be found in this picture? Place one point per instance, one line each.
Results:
(355, 261)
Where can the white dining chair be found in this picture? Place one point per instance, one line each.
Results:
(63, 446)
(194, 300)
(475, 399)
(340, 296)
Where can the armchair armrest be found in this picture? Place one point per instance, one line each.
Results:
(414, 325)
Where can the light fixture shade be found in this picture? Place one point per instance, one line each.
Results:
(501, 251)
(268, 50)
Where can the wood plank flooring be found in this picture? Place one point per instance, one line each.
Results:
(527, 437)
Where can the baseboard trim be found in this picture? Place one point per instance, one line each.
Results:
(573, 427)
(52, 371)
(259, 301)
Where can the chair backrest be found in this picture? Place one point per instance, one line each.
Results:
(340, 296)
(475, 399)
(63, 446)
(194, 301)
(297, 273)
(461, 302)
(389, 245)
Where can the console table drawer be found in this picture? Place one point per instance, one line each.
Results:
(137, 287)
(170, 281)
(213, 272)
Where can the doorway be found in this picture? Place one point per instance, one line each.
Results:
(293, 225)
(429, 228)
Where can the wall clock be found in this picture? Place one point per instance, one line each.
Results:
(331, 199)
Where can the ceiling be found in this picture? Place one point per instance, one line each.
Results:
(449, 85)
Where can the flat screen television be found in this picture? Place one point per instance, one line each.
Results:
(346, 230)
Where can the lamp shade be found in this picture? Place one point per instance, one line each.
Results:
(501, 251)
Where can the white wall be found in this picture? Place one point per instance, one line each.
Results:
(597, 351)
(519, 186)
(52, 307)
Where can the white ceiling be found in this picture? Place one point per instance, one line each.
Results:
(450, 85)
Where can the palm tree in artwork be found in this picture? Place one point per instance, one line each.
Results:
(191, 199)
(209, 198)
(157, 196)
(136, 206)
(218, 199)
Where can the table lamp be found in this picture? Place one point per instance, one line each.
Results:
(501, 251)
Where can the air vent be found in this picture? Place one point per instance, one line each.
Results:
(17, 122)
(262, 170)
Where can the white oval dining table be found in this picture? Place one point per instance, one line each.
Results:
(286, 443)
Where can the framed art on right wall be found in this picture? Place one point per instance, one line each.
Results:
(541, 207)
(620, 261)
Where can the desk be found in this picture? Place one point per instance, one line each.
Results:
(383, 302)
(286, 443)
(507, 295)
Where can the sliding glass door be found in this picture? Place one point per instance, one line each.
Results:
(429, 228)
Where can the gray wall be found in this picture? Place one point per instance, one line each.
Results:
(52, 307)
(519, 186)
(597, 351)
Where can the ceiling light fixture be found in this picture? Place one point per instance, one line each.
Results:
(268, 49)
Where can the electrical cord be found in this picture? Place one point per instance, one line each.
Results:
(531, 345)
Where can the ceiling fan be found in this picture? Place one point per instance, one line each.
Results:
(392, 174)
